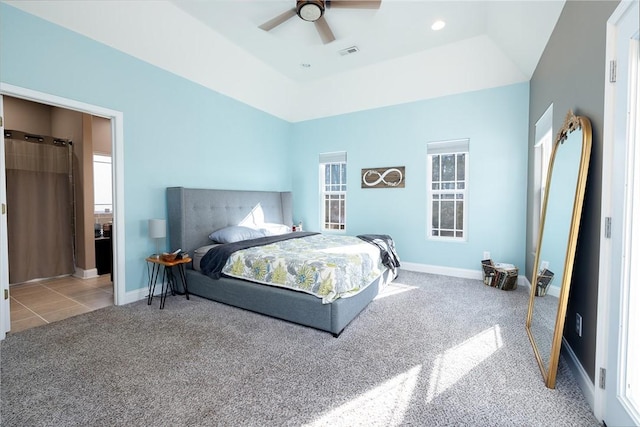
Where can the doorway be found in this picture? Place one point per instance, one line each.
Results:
(56, 219)
(115, 119)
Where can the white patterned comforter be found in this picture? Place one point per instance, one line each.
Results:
(327, 266)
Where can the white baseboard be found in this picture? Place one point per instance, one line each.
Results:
(140, 294)
(444, 271)
(553, 291)
(85, 274)
(582, 378)
(454, 272)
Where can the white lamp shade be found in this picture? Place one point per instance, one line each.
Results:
(157, 228)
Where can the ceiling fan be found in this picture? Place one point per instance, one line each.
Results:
(313, 11)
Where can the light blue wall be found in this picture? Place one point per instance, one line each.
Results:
(494, 120)
(176, 133)
(179, 133)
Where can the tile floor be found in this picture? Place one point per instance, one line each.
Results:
(38, 303)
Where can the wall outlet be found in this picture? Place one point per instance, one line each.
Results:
(544, 265)
(578, 324)
(486, 255)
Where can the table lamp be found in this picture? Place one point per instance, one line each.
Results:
(157, 231)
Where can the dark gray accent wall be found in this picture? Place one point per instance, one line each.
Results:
(571, 75)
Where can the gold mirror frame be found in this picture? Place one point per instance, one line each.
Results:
(572, 123)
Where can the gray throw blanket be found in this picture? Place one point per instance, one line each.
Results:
(387, 248)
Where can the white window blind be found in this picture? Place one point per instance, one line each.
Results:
(335, 157)
(447, 147)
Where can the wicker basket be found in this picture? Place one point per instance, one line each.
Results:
(544, 280)
(498, 277)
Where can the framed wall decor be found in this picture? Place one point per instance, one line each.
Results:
(390, 177)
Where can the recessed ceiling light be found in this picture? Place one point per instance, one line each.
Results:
(438, 25)
(305, 65)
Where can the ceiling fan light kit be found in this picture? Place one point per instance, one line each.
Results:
(313, 11)
(310, 10)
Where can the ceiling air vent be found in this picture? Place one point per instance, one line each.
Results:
(349, 50)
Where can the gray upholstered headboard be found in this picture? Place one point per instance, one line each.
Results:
(195, 213)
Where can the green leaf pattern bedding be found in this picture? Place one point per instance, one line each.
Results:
(327, 266)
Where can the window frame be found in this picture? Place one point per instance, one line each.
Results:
(328, 160)
(443, 148)
(106, 207)
(543, 147)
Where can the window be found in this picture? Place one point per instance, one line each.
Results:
(542, 155)
(102, 197)
(333, 190)
(447, 165)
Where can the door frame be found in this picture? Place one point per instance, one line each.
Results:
(5, 304)
(607, 261)
(117, 147)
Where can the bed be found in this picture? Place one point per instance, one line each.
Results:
(193, 214)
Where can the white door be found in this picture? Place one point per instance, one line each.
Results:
(5, 319)
(617, 396)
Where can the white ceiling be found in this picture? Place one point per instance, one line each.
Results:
(400, 59)
(398, 28)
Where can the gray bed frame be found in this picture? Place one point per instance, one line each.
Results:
(194, 213)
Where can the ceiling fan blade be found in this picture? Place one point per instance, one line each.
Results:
(354, 4)
(274, 22)
(325, 32)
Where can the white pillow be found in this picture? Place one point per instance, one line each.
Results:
(273, 229)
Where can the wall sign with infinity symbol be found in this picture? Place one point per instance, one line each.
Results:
(392, 177)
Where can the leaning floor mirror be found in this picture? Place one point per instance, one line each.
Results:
(557, 239)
